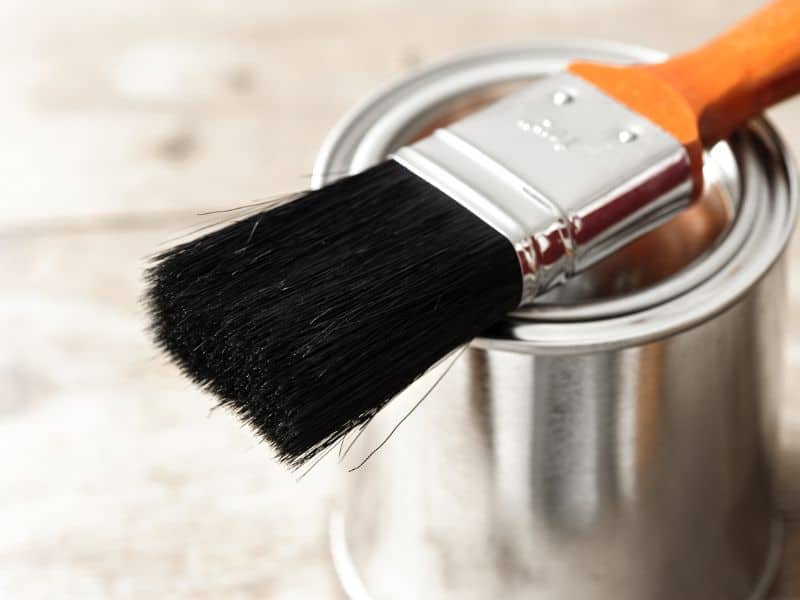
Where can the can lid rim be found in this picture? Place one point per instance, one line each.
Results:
(690, 297)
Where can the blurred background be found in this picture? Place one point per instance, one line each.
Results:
(119, 123)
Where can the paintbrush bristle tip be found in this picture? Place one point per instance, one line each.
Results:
(307, 318)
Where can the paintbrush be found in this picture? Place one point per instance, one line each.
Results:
(307, 318)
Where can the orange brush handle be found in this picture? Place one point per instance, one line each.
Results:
(700, 97)
(742, 72)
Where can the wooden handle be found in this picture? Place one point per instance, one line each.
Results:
(702, 96)
(740, 73)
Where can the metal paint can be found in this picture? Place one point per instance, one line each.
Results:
(616, 439)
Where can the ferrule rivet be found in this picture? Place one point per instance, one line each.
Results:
(626, 136)
(562, 97)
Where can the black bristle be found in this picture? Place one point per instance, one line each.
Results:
(306, 319)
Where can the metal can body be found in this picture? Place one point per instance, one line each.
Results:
(613, 442)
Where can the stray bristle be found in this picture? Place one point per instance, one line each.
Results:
(306, 319)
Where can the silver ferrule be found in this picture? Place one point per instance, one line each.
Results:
(565, 172)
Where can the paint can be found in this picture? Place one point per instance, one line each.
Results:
(616, 439)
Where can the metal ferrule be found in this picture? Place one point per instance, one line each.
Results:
(565, 172)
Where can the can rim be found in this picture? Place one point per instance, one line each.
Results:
(768, 202)
(763, 248)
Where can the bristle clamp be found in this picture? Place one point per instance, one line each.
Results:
(566, 173)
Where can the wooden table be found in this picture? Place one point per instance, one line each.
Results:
(119, 122)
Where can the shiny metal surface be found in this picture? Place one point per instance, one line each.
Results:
(765, 219)
(436, 96)
(613, 443)
(513, 164)
(640, 473)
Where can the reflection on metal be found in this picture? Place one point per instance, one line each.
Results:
(614, 440)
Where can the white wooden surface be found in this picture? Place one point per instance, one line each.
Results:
(119, 122)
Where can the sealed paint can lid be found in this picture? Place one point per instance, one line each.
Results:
(679, 275)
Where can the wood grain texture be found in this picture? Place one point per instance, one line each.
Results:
(122, 121)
